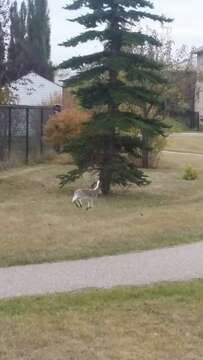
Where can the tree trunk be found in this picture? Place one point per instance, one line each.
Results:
(105, 178)
(106, 169)
(109, 150)
(145, 159)
(145, 151)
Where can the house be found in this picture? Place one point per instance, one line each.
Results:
(35, 90)
(199, 83)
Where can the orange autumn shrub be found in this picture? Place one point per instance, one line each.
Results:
(64, 125)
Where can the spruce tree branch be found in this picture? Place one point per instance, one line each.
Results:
(124, 121)
(128, 38)
(137, 15)
(79, 61)
(86, 75)
(76, 4)
(136, 3)
(84, 37)
(119, 94)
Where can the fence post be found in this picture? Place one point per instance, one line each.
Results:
(27, 136)
(9, 132)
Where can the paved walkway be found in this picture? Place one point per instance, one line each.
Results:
(169, 264)
(192, 133)
(181, 153)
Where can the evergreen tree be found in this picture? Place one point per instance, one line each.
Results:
(4, 4)
(109, 83)
(29, 46)
(17, 50)
(2, 56)
(23, 19)
(38, 30)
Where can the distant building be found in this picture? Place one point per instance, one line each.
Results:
(34, 90)
(199, 83)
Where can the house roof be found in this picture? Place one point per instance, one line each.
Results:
(198, 50)
(33, 76)
(33, 89)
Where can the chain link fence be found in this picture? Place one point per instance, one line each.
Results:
(21, 132)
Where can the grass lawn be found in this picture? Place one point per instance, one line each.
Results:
(156, 323)
(39, 222)
(186, 143)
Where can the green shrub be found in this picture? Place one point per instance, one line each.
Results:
(190, 173)
(157, 144)
(176, 125)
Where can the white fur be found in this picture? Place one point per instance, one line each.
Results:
(86, 195)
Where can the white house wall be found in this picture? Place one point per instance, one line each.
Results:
(34, 90)
(199, 98)
(199, 84)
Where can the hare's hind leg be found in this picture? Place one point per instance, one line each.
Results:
(90, 204)
(77, 203)
(80, 203)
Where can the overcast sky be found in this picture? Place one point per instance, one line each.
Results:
(187, 27)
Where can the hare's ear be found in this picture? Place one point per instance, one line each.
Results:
(92, 186)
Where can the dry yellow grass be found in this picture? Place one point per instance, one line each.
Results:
(185, 143)
(39, 222)
(160, 323)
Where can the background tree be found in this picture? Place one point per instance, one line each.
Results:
(64, 125)
(5, 92)
(176, 70)
(4, 9)
(38, 38)
(17, 50)
(29, 45)
(106, 82)
(183, 76)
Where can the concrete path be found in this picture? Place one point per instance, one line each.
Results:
(193, 133)
(169, 264)
(181, 153)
